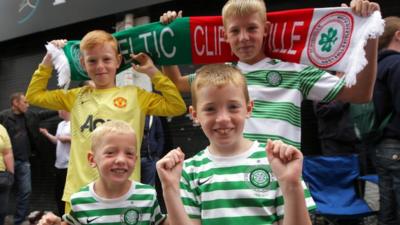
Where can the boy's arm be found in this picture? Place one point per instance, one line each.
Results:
(286, 163)
(49, 136)
(181, 82)
(362, 91)
(169, 169)
(170, 103)
(37, 93)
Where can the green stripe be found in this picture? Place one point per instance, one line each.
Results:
(221, 171)
(309, 76)
(237, 203)
(231, 185)
(108, 212)
(286, 111)
(334, 92)
(262, 138)
(242, 220)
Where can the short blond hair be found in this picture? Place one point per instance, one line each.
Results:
(234, 8)
(98, 37)
(392, 24)
(218, 75)
(110, 127)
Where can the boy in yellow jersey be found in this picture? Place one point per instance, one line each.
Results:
(234, 180)
(277, 105)
(91, 106)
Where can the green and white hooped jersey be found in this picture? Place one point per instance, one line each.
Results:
(233, 190)
(139, 206)
(277, 89)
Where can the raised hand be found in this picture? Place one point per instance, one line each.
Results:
(363, 8)
(145, 65)
(49, 219)
(170, 16)
(169, 168)
(286, 161)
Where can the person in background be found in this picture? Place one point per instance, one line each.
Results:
(6, 171)
(151, 149)
(62, 139)
(387, 100)
(22, 126)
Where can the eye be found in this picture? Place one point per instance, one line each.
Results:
(234, 106)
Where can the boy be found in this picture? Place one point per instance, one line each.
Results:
(91, 106)
(113, 198)
(234, 180)
(277, 104)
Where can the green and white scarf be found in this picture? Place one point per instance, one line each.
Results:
(328, 38)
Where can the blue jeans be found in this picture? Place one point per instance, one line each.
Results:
(388, 169)
(4, 193)
(148, 170)
(22, 182)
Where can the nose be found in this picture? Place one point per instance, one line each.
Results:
(120, 158)
(244, 36)
(223, 116)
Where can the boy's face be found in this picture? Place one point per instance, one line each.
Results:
(246, 34)
(101, 64)
(221, 112)
(114, 157)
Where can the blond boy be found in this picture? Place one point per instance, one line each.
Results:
(234, 180)
(278, 87)
(112, 198)
(92, 106)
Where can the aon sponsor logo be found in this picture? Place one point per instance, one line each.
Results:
(91, 123)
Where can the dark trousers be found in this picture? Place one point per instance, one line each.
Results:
(61, 175)
(388, 169)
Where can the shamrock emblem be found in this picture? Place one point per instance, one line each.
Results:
(327, 40)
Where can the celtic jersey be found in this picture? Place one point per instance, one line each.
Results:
(277, 89)
(90, 107)
(138, 206)
(233, 190)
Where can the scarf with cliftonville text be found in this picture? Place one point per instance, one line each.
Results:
(327, 38)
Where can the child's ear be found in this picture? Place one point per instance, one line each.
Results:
(224, 34)
(267, 28)
(82, 61)
(90, 157)
(249, 108)
(119, 59)
(193, 112)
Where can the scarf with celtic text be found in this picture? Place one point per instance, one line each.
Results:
(327, 38)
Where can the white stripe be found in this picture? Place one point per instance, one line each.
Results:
(273, 127)
(323, 86)
(257, 92)
(237, 194)
(241, 211)
(239, 162)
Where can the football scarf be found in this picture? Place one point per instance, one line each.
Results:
(327, 38)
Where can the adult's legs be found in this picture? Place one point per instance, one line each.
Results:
(24, 188)
(388, 169)
(148, 171)
(61, 175)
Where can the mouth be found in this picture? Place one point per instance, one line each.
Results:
(223, 131)
(119, 171)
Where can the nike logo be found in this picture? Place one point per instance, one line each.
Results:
(89, 220)
(203, 181)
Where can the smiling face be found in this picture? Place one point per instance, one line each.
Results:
(101, 63)
(246, 34)
(115, 157)
(221, 112)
